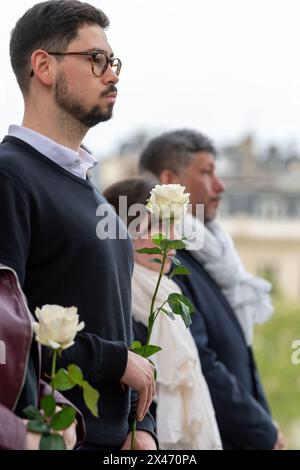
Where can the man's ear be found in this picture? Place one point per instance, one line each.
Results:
(42, 67)
(168, 177)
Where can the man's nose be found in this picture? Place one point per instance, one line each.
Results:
(219, 185)
(110, 76)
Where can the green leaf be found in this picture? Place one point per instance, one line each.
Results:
(63, 419)
(52, 442)
(179, 270)
(180, 305)
(172, 244)
(156, 260)
(75, 374)
(31, 412)
(91, 397)
(187, 302)
(168, 313)
(149, 251)
(157, 238)
(62, 381)
(37, 426)
(182, 298)
(48, 404)
(147, 351)
(136, 344)
(185, 314)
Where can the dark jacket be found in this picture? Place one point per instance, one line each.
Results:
(16, 336)
(242, 412)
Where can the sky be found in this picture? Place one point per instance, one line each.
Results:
(226, 68)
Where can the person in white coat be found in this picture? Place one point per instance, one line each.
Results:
(185, 416)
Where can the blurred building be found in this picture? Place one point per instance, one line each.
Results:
(262, 185)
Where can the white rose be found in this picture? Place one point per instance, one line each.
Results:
(168, 201)
(57, 326)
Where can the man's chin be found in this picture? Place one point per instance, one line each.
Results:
(210, 217)
(94, 120)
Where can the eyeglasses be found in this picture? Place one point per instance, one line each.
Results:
(99, 61)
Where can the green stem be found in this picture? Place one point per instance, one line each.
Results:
(151, 321)
(152, 314)
(159, 309)
(152, 318)
(53, 366)
(132, 447)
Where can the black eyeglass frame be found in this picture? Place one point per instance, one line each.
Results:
(109, 61)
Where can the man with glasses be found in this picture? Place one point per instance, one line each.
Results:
(67, 73)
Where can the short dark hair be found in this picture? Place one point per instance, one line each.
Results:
(48, 25)
(136, 189)
(174, 151)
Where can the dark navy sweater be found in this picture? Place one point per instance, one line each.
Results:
(48, 235)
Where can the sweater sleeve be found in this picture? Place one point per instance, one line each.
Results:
(15, 233)
(99, 359)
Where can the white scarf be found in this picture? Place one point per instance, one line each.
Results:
(248, 295)
(185, 414)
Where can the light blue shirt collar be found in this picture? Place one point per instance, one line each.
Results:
(77, 163)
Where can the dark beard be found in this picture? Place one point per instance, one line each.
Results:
(72, 106)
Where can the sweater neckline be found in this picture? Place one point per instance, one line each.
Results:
(46, 160)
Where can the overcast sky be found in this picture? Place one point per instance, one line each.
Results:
(225, 67)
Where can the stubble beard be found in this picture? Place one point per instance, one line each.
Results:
(72, 106)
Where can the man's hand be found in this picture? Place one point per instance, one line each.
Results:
(280, 443)
(143, 441)
(139, 375)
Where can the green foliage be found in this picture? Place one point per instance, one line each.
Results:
(147, 350)
(156, 260)
(280, 377)
(75, 374)
(38, 426)
(62, 381)
(149, 251)
(48, 404)
(52, 442)
(33, 413)
(91, 397)
(181, 305)
(169, 313)
(179, 270)
(158, 238)
(172, 244)
(63, 419)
